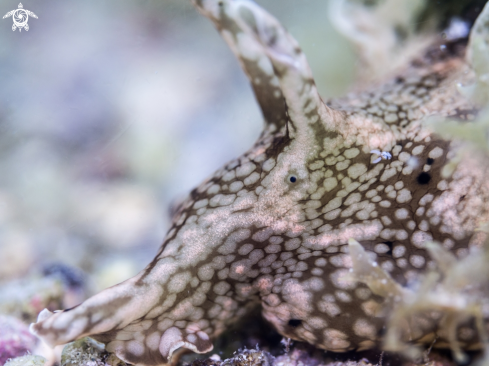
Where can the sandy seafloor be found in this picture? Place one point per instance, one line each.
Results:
(109, 112)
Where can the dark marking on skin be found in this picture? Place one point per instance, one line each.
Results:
(66, 310)
(294, 323)
(423, 178)
(430, 161)
(389, 244)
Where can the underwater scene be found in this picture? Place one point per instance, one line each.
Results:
(244, 183)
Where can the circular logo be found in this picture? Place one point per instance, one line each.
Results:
(20, 17)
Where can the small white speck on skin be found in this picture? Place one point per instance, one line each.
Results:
(230, 175)
(205, 272)
(423, 225)
(396, 150)
(315, 284)
(448, 243)
(381, 248)
(262, 235)
(244, 249)
(401, 214)
(337, 260)
(292, 244)
(413, 162)
(252, 178)
(194, 282)
(370, 307)
(356, 170)
(462, 253)
(320, 262)
(442, 185)
(351, 153)
(404, 157)
(401, 235)
(317, 322)
(363, 293)
(330, 183)
(329, 308)
(419, 238)
(435, 220)
(333, 204)
(179, 281)
(402, 262)
(417, 261)
(256, 255)
(376, 199)
(388, 173)
(236, 186)
(317, 272)
(342, 165)
(399, 185)
(268, 165)
(331, 160)
(352, 198)
(213, 189)
(342, 280)
(387, 234)
(411, 225)
(436, 153)
(418, 150)
(403, 196)
(364, 328)
(426, 199)
(245, 169)
(343, 296)
(392, 194)
(201, 211)
(273, 248)
(370, 194)
(387, 266)
(391, 118)
(386, 220)
(318, 164)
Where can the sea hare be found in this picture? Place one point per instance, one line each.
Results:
(271, 228)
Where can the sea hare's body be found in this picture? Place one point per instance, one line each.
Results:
(271, 228)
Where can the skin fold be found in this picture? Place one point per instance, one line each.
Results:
(271, 228)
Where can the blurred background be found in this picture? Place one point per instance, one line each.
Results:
(112, 109)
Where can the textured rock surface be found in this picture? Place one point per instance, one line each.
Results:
(88, 352)
(29, 360)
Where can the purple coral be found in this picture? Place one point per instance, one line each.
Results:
(15, 339)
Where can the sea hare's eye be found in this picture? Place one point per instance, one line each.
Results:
(292, 178)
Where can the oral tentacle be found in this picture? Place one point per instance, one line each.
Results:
(274, 63)
(113, 308)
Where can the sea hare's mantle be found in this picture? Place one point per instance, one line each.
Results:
(271, 228)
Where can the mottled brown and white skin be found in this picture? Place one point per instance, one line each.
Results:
(271, 228)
